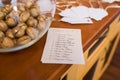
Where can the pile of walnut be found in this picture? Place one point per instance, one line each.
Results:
(20, 24)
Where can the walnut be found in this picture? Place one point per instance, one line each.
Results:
(23, 26)
(10, 34)
(8, 8)
(3, 26)
(2, 35)
(21, 8)
(40, 18)
(24, 16)
(7, 43)
(41, 22)
(2, 15)
(12, 18)
(4, 11)
(28, 4)
(34, 12)
(32, 32)
(41, 25)
(32, 22)
(18, 31)
(23, 40)
(11, 22)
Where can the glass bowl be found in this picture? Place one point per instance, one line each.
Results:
(24, 22)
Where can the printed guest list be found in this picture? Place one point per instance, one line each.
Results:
(63, 46)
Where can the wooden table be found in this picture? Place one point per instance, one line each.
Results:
(26, 65)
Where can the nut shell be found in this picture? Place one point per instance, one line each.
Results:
(32, 22)
(8, 8)
(11, 22)
(23, 40)
(9, 33)
(18, 31)
(7, 43)
(21, 8)
(24, 16)
(32, 32)
(2, 35)
(40, 18)
(28, 4)
(23, 26)
(2, 15)
(3, 26)
(41, 25)
(34, 12)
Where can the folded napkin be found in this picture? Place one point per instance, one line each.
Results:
(82, 15)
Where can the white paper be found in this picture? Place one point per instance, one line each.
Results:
(77, 20)
(97, 13)
(68, 13)
(63, 46)
(110, 1)
(76, 15)
(81, 11)
(82, 15)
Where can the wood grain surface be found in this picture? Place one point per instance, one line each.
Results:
(26, 65)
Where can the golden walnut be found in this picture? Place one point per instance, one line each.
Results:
(24, 16)
(23, 26)
(2, 15)
(41, 25)
(19, 30)
(3, 26)
(9, 33)
(20, 26)
(2, 35)
(8, 8)
(11, 22)
(29, 3)
(21, 8)
(34, 12)
(7, 42)
(32, 32)
(32, 22)
(23, 40)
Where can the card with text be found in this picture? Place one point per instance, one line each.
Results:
(63, 46)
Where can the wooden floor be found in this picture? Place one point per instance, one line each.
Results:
(113, 71)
